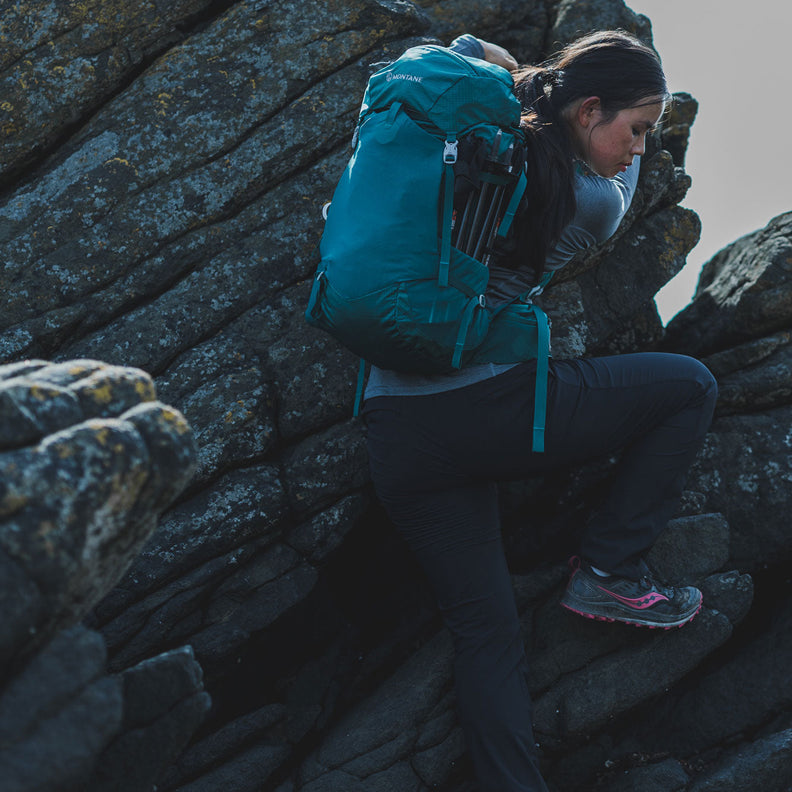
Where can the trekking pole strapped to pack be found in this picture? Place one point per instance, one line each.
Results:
(432, 187)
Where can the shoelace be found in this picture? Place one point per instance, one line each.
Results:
(648, 582)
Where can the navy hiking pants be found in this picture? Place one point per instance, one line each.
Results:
(434, 462)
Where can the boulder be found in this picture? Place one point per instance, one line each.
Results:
(738, 321)
(90, 459)
(164, 704)
(765, 764)
(63, 708)
(665, 776)
(743, 294)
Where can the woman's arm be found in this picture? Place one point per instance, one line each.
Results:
(601, 205)
(478, 48)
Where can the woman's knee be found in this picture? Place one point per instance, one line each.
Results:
(707, 384)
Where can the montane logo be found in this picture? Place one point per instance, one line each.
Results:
(408, 77)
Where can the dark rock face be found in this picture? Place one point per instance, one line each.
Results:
(163, 175)
(60, 61)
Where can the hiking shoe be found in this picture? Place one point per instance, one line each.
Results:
(644, 602)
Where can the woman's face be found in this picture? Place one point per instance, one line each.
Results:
(608, 144)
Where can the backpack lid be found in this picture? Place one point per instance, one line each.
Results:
(453, 92)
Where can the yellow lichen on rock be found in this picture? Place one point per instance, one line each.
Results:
(12, 500)
(102, 394)
(144, 387)
(177, 422)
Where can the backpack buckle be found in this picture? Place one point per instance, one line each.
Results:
(450, 152)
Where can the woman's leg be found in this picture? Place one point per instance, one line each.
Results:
(657, 408)
(451, 523)
(653, 408)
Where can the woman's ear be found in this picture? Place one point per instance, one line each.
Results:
(588, 111)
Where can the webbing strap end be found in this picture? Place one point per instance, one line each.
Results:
(464, 326)
(540, 392)
(359, 390)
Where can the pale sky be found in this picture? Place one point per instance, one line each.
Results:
(735, 59)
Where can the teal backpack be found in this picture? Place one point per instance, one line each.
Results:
(429, 194)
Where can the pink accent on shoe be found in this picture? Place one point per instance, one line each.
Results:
(632, 623)
(640, 603)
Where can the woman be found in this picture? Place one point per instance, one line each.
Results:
(438, 445)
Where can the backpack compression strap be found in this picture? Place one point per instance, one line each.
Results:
(449, 158)
(511, 209)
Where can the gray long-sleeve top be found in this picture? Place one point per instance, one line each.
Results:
(601, 205)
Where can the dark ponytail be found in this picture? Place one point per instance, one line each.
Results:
(612, 65)
(550, 199)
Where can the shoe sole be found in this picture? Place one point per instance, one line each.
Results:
(652, 625)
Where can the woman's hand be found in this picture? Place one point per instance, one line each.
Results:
(493, 53)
